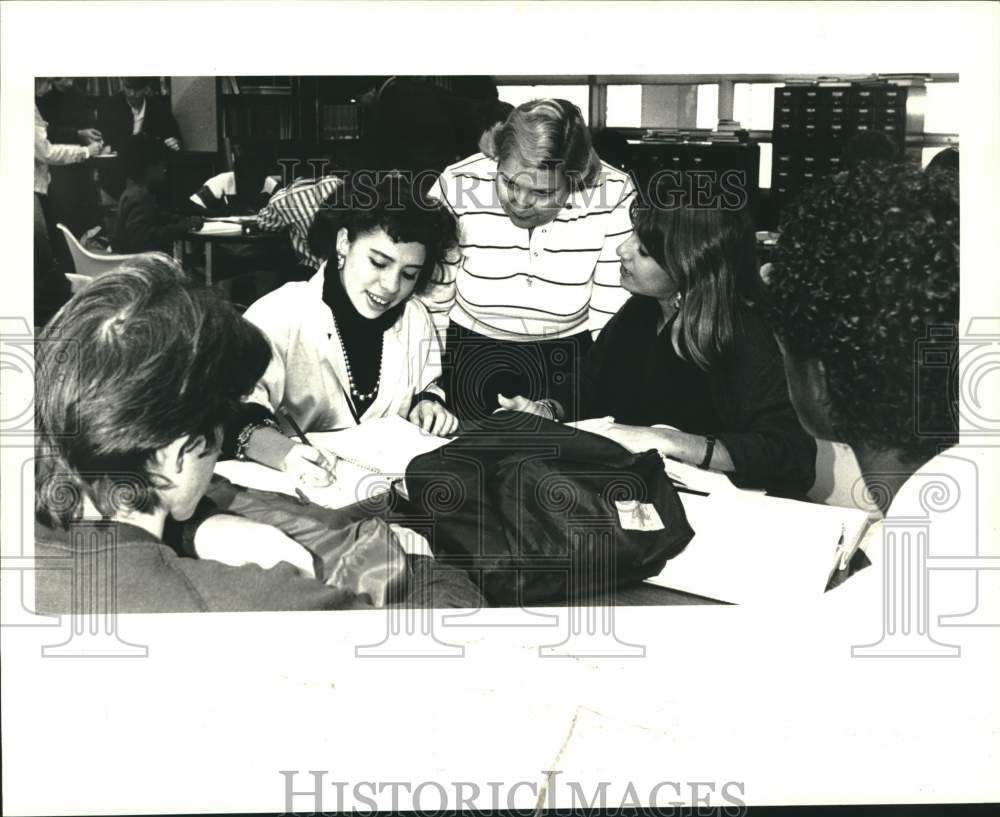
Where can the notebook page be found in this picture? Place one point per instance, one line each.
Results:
(385, 445)
(353, 483)
(753, 549)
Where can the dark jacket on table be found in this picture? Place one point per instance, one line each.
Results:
(743, 402)
(141, 225)
(151, 578)
(115, 120)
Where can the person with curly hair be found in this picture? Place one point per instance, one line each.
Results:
(687, 366)
(351, 344)
(864, 291)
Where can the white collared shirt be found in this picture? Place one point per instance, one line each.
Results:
(137, 118)
(938, 513)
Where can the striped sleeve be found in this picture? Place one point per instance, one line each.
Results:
(439, 296)
(608, 295)
(274, 216)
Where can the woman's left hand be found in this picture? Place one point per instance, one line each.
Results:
(433, 418)
(634, 438)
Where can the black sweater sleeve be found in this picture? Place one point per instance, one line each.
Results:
(763, 435)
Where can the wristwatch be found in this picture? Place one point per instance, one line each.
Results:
(709, 447)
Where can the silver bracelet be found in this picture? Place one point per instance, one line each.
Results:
(549, 409)
(243, 440)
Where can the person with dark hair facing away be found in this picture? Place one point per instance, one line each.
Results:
(860, 322)
(141, 225)
(351, 344)
(135, 377)
(690, 350)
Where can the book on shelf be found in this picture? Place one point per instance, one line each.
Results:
(338, 121)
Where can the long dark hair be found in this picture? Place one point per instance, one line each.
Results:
(711, 254)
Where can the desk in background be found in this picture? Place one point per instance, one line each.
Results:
(223, 232)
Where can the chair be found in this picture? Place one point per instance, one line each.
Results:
(77, 282)
(89, 264)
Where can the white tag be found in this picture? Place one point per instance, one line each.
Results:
(635, 515)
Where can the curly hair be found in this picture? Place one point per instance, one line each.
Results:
(389, 201)
(866, 280)
(137, 360)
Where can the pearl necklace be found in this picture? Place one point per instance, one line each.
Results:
(359, 397)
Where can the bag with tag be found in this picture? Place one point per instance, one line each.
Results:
(537, 511)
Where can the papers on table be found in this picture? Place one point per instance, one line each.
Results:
(372, 457)
(219, 228)
(233, 219)
(754, 549)
(385, 445)
(353, 483)
(749, 548)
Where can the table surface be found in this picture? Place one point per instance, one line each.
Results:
(235, 237)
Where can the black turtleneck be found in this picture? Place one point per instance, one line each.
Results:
(362, 337)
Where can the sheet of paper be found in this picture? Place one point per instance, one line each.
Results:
(219, 228)
(754, 549)
(385, 445)
(353, 483)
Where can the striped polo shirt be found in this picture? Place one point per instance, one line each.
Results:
(560, 279)
(294, 208)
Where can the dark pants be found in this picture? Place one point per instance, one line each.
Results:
(478, 368)
(51, 287)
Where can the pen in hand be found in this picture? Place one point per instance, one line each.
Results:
(323, 461)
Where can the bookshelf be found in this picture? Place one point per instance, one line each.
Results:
(109, 86)
(303, 109)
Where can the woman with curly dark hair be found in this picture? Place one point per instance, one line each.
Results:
(689, 350)
(351, 344)
(863, 296)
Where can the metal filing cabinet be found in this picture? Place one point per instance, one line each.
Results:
(813, 123)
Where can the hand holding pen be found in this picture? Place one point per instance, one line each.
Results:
(306, 464)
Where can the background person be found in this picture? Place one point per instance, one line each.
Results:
(73, 196)
(51, 287)
(142, 225)
(133, 111)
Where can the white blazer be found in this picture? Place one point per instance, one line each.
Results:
(307, 376)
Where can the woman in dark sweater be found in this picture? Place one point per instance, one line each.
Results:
(689, 351)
